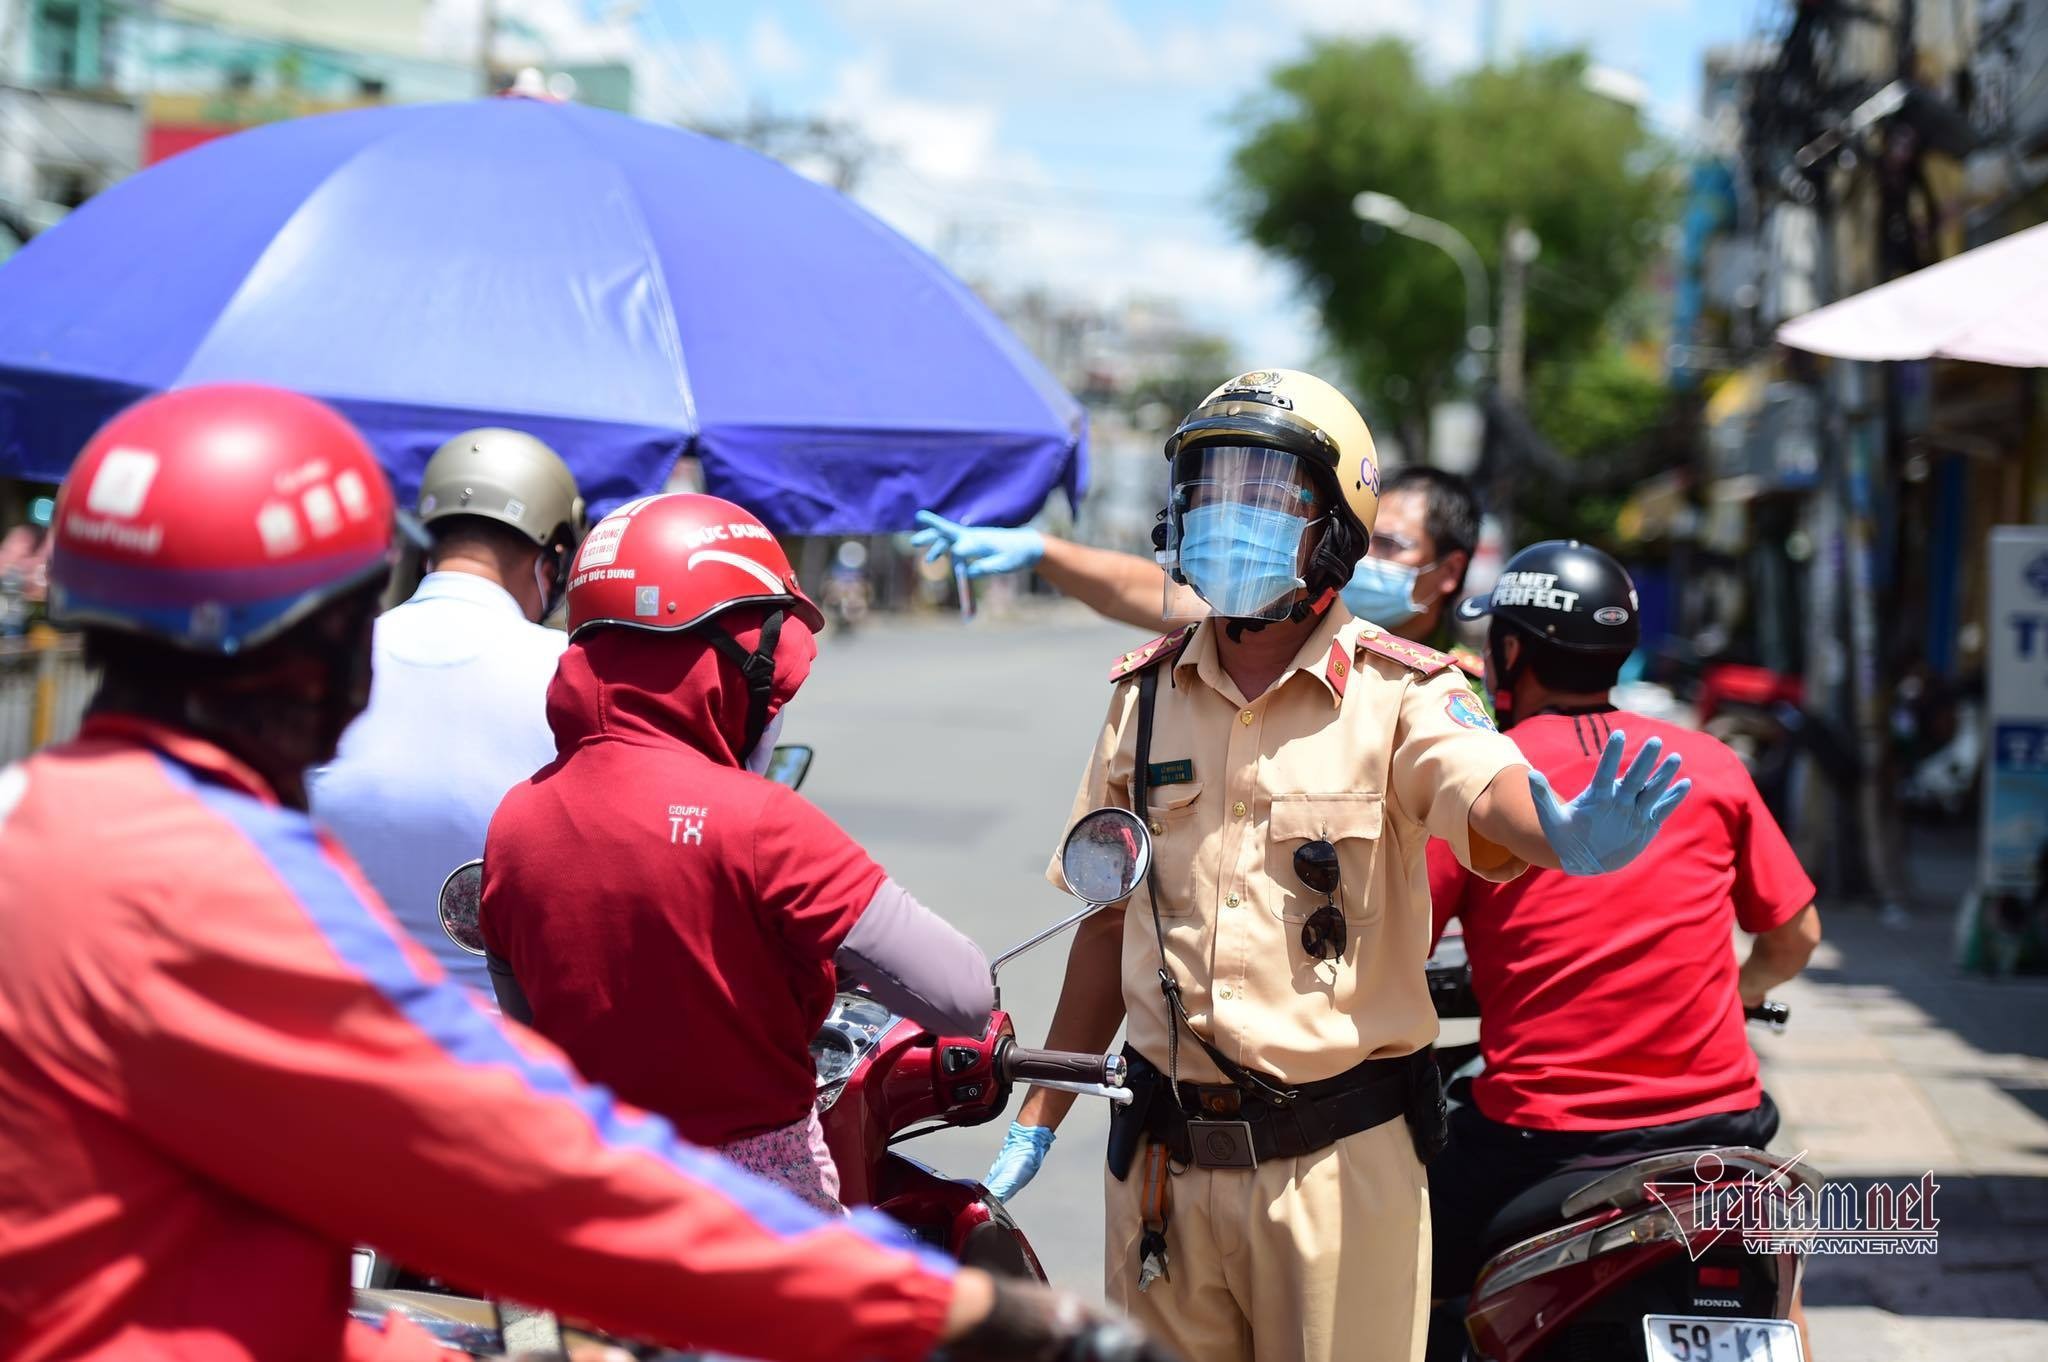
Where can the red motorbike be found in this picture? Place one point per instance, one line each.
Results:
(1610, 1258)
(883, 1079)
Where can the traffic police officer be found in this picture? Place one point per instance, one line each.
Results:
(1422, 544)
(1267, 1196)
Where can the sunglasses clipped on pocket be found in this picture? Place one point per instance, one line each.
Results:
(1324, 935)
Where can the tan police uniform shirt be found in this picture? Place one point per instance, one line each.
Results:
(1368, 741)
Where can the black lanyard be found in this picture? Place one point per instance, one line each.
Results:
(1169, 988)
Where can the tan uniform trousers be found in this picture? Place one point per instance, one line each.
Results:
(1314, 1259)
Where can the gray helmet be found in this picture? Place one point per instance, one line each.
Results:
(507, 476)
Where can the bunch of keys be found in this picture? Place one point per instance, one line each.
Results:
(1152, 1258)
(1153, 1206)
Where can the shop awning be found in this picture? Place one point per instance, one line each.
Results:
(1989, 305)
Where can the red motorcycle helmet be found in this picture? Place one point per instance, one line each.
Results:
(215, 518)
(674, 563)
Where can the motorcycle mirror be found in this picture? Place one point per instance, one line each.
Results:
(789, 763)
(1103, 860)
(1106, 855)
(461, 900)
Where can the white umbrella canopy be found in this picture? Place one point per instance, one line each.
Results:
(1989, 305)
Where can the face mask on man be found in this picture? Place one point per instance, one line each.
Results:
(764, 750)
(1243, 560)
(1383, 592)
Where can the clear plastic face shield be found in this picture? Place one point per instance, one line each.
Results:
(1238, 521)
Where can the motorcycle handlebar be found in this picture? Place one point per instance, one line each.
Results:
(1021, 1064)
(1774, 1014)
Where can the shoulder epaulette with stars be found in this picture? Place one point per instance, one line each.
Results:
(1158, 650)
(1428, 661)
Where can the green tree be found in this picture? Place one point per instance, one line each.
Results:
(1525, 141)
(1606, 414)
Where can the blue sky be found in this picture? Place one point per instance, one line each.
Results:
(1079, 145)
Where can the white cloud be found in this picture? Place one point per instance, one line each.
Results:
(948, 180)
(1036, 45)
(946, 139)
(1447, 32)
(771, 50)
(675, 75)
(964, 102)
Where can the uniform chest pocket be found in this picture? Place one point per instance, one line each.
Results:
(1170, 809)
(1350, 821)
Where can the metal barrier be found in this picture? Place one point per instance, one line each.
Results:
(44, 688)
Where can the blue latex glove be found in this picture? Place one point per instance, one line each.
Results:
(1017, 1161)
(980, 552)
(1614, 820)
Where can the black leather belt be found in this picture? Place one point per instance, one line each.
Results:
(1234, 1127)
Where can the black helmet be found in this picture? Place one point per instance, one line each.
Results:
(1566, 594)
(1575, 609)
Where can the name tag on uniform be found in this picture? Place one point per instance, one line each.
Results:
(1170, 773)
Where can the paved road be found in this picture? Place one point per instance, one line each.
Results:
(1896, 1066)
(952, 750)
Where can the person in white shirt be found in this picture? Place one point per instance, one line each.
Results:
(458, 703)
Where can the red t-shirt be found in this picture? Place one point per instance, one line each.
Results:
(1610, 1002)
(671, 918)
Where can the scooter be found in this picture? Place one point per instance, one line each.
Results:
(882, 1079)
(1607, 1259)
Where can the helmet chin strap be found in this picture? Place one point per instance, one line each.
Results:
(1237, 628)
(551, 573)
(1505, 675)
(757, 669)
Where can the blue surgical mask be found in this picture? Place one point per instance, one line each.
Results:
(1242, 559)
(1382, 592)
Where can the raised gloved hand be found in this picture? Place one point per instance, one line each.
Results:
(1028, 1322)
(1612, 822)
(1018, 1160)
(981, 552)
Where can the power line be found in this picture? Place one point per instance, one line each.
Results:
(1041, 197)
(90, 153)
(673, 51)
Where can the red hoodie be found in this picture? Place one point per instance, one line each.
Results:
(671, 917)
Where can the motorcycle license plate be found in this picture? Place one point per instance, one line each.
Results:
(1695, 1338)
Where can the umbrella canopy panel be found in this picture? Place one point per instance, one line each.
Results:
(624, 290)
(1989, 305)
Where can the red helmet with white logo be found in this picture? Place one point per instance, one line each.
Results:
(215, 518)
(676, 561)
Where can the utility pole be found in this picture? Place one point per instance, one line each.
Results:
(487, 45)
(788, 138)
(1518, 250)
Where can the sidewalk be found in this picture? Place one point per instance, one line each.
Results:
(1896, 1064)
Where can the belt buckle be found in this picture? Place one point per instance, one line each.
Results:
(1221, 1144)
